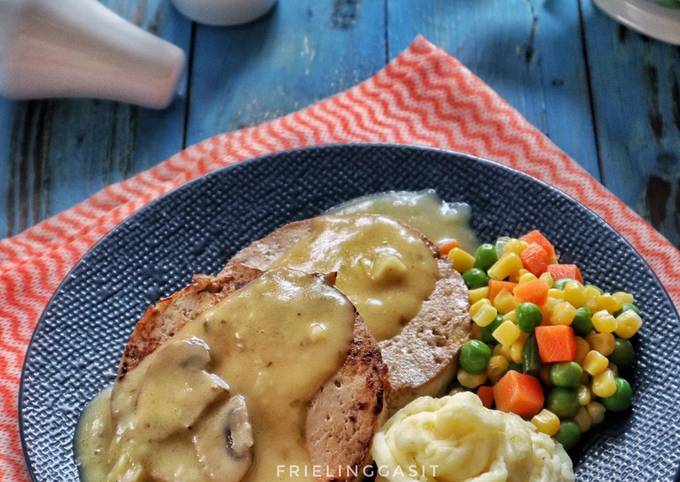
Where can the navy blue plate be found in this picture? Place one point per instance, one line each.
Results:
(196, 228)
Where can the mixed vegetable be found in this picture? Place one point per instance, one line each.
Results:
(544, 345)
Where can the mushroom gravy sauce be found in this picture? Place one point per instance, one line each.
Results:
(225, 399)
(439, 220)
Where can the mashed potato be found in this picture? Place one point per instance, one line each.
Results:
(455, 438)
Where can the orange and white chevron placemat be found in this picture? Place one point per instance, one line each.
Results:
(424, 96)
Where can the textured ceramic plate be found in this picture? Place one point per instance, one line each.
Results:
(195, 229)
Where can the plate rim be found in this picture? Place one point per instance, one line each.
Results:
(267, 158)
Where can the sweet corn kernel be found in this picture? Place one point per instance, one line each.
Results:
(507, 333)
(582, 349)
(556, 294)
(497, 367)
(628, 324)
(548, 306)
(500, 350)
(483, 313)
(547, 422)
(591, 294)
(562, 313)
(505, 302)
(622, 297)
(504, 267)
(517, 348)
(511, 315)
(583, 420)
(544, 375)
(470, 380)
(461, 260)
(526, 277)
(602, 342)
(607, 302)
(603, 384)
(584, 396)
(596, 411)
(574, 293)
(547, 279)
(515, 246)
(595, 363)
(613, 368)
(480, 293)
(475, 332)
(604, 322)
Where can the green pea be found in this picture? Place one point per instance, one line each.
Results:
(622, 399)
(485, 256)
(623, 354)
(475, 278)
(566, 374)
(626, 307)
(582, 323)
(487, 331)
(529, 316)
(563, 402)
(474, 356)
(559, 284)
(569, 434)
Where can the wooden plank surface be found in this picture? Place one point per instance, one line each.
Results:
(547, 58)
(55, 153)
(529, 51)
(636, 93)
(302, 51)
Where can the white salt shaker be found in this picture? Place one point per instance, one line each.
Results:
(223, 12)
(79, 48)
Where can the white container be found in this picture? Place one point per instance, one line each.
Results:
(79, 48)
(223, 12)
(645, 16)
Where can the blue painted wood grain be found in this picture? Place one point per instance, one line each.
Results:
(55, 153)
(529, 51)
(636, 93)
(302, 51)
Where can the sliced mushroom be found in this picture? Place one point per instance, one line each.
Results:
(176, 389)
(224, 440)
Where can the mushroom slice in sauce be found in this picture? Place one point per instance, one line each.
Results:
(224, 440)
(176, 389)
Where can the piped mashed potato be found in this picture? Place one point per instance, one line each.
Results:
(455, 438)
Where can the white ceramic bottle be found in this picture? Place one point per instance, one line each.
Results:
(223, 12)
(79, 48)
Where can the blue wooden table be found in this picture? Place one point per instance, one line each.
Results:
(606, 95)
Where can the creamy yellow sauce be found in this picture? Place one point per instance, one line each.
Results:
(382, 266)
(440, 221)
(273, 343)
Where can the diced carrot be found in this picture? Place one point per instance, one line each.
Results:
(447, 246)
(537, 237)
(556, 343)
(485, 394)
(535, 258)
(496, 287)
(519, 393)
(562, 271)
(535, 291)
